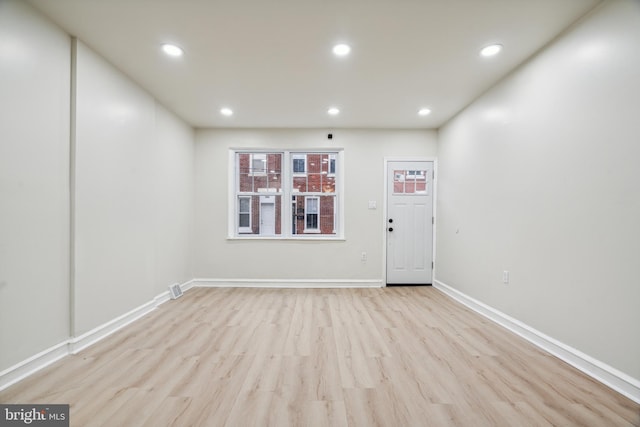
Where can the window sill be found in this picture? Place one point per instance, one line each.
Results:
(306, 238)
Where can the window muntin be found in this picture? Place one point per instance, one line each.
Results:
(318, 178)
(410, 182)
(309, 182)
(259, 173)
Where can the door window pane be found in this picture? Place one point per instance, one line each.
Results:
(410, 181)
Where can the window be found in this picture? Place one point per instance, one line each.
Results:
(332, 164)
(311, 214)
(264, 180)
(299, 164)
(416, 174)
(244, 214)
(258, 175)
(410, 182)
(258, 164)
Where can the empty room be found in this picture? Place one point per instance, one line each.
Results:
(329, 213)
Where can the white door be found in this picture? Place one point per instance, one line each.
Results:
(267, 219)
(409, 222)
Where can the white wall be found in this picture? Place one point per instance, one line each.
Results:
(364, 153)
(133, 200)
(540, 177)
(34, 183)
(131, 222)
(114, 245)
(174, 200)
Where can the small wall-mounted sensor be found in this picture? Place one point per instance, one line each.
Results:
(329, 136)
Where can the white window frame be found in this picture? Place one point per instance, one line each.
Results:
(233, 232)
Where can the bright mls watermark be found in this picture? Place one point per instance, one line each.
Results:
(34, 415)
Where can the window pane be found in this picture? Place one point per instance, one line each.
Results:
(320, 173)
(258, 163)
(244, 220)
(312, 221)
(328, 184)
(299, 184)
(312, 205)
(274, 173)
(313, 215)
(245, 202)
(245, 179)
(398, 181)
(314, 182)
(259, 172)
(298, 165)
(310, 188)
(314, 163)
(262, 215)
(410, 181)
(244, 214)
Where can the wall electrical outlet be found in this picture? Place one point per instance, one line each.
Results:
(363, 256)
(505, 277)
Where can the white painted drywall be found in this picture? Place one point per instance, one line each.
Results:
(174, 200)
(134, 189)
(134, 195)
(540, 177)
(114, 245)
(364, 153)
(34, 183)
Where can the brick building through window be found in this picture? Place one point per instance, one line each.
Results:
(310, 185)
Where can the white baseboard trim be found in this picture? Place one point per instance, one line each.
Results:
(286, 283)
(22, 370)
(187, 285)
(91, 337)
(73, 345)
(600, 371)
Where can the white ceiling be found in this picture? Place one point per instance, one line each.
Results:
(271, 60)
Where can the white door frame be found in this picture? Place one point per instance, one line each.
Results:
(385, 234)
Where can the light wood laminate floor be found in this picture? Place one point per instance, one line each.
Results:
(320, 357)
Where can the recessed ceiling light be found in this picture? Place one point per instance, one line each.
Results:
(172, 50)
(226, 112)
(424, 112)
(492, 49)
(341, 49)
(333, 111)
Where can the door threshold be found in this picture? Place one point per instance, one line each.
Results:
(408, 284)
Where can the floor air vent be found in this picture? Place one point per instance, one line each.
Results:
(175, 291)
